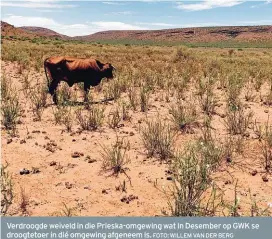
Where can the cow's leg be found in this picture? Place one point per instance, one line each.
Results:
(52, 90)
(86, 91)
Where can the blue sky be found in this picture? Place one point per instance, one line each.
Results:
(75, 18)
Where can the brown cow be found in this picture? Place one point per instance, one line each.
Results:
(73, 70)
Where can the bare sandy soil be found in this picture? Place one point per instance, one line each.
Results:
(80, 183)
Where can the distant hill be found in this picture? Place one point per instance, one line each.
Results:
(10, 30)
(251, 34)
(203, 34)
(41, 31)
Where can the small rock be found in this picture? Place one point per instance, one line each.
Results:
(35, 170)
(52, 163)
(243, 193)
(73, 140)
(84, 138)
(169, 178)
(36, 143)
(36, 131)
(68, 185)
(22, 141)
(128, 199)
(43, 132)
(228, 159)
(266, 111)
(131, 134)
(265, 178)
(105, 191)
(71, 165)
(254, 172)
(246, 134)
(24, 171)
(92, 160)
(76, 155)
(9, 141)
(227, 182)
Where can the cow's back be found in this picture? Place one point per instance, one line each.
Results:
(82, 65)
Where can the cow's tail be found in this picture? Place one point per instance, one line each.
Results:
(45, 70)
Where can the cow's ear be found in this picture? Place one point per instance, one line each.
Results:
(100, 65)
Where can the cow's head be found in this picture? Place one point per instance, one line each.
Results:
(108, 70)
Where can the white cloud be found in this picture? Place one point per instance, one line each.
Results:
(159, 24)
(36, 4)
(126, 13)
(116, 26)
(113, 3)
(207, 4)
(66, 29)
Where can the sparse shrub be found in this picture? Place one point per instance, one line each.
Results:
(237, 120)
(181, 54)
(67, 211)
(65, 94)
(68, 119)
(91, 120)
(209, 150)
(206, 97)
(191, 180)
(7, 193)
(115, 158)
(158, 139)
(234, 87)
(125, 111)
(26, 86)
(38, 96)
(231, 52)
(144, 98)
(249, 92)
(268, 97)
(133, 98)
(256, 211)
(113, 91)
(115, 118)
(11, 111)
(184, 116)
(24, 201)
(58, 112)
(235, 206)
(5, 87)
(266, 147)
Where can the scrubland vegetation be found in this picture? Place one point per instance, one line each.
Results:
(200, 116)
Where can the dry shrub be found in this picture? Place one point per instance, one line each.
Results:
(184, 116)
(7, 193)
(158, 139)
(237, 119)
(115, 158)
(38, 96)
(92, 119)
